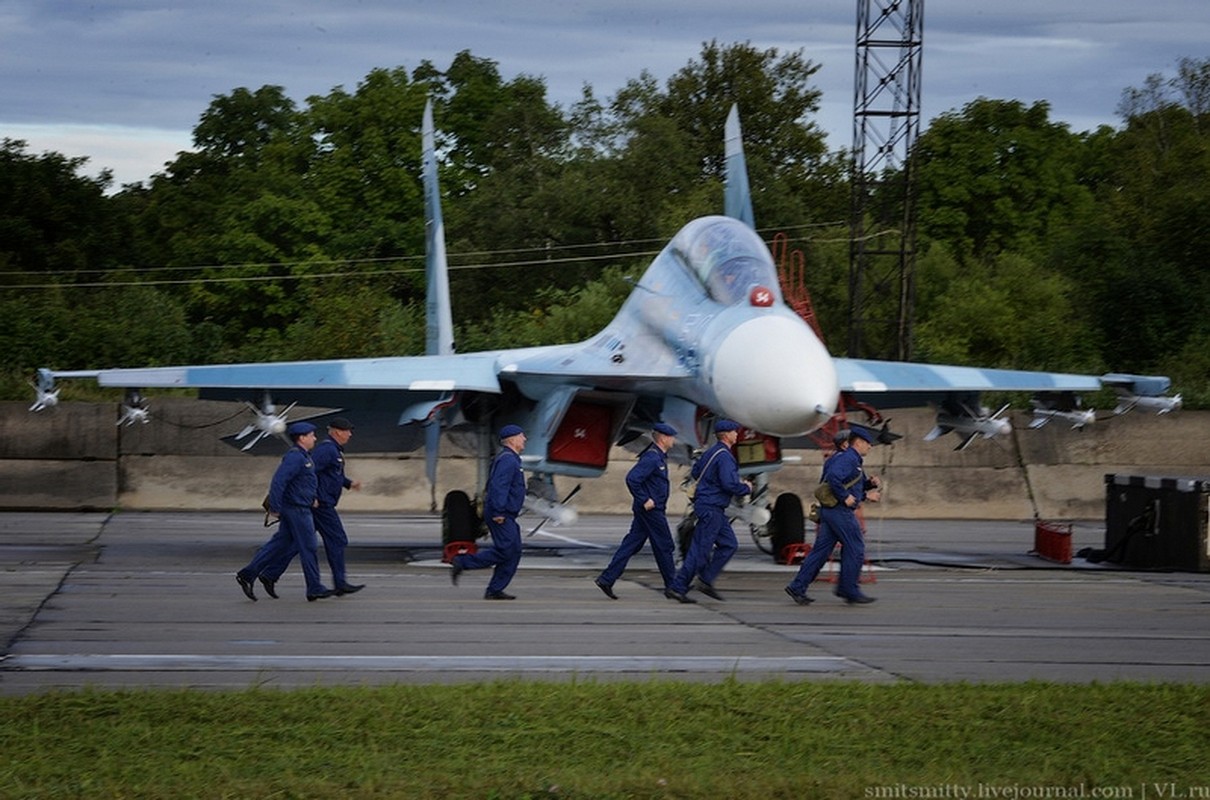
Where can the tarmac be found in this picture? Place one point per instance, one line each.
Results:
(143, 600)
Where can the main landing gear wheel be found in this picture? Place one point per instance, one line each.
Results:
(787, 525)
(459, 522)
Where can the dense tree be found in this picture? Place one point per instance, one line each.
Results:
(60, 239)
(997, 176)
(297, 232)
(366, 172)
(237, 128)
(557, 316)
(1141, 253)
(508, 158)
(54, 222)
(784, 149)
(237, 210)
(71, 327)
(1007, 311)
(344, 319)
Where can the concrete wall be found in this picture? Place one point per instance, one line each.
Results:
(77, 457)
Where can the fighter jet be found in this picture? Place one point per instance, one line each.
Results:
(705, 334)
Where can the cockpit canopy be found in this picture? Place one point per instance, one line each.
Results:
(727, 257)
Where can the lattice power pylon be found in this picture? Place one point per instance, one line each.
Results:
(886, 120)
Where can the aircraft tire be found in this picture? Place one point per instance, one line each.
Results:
(459, 522)
(787, 525)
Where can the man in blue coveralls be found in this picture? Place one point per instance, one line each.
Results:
(648, 485)
(843, 472)
(291, 496)
(501, 504)
(329, 460)
(713, 544)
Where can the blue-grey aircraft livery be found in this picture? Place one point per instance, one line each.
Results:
(705, 334)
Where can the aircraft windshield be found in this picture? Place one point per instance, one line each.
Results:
(727, 257)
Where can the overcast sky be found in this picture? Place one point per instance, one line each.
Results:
(124, 81)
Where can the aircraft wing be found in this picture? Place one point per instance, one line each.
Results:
(387, 395)
(889, 384)
(471, 372)
(955, 392)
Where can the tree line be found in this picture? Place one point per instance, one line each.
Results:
(297, 231)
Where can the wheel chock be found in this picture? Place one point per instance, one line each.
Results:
(458, 549)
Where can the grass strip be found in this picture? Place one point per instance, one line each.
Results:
(657, 739)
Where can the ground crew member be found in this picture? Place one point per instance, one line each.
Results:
(843, 472)
(292, 495)
(502, 503)
(648, 484)
(713, 544)
(329, 460)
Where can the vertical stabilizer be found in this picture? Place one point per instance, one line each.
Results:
(737, 197)
(439, 323)
(439, 319)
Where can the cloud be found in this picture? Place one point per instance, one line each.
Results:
(131, 154)
(126, 66)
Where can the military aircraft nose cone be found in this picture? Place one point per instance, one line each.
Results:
(773, 374)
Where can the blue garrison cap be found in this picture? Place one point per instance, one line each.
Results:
(510, 430)
(664, 428)
(862, 433)
(724, 425)
(297, 429)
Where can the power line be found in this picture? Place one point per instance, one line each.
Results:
(546, 260)
(322, 275)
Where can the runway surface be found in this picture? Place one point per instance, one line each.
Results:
(143, 599)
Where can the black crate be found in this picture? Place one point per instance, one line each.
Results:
(1157, 522)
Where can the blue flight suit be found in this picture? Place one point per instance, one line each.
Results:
(648, 479)
(838, 523)
(292, 494)
(713, 544)
(504, 497)
(329, 460)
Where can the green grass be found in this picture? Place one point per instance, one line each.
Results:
(609, 740)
